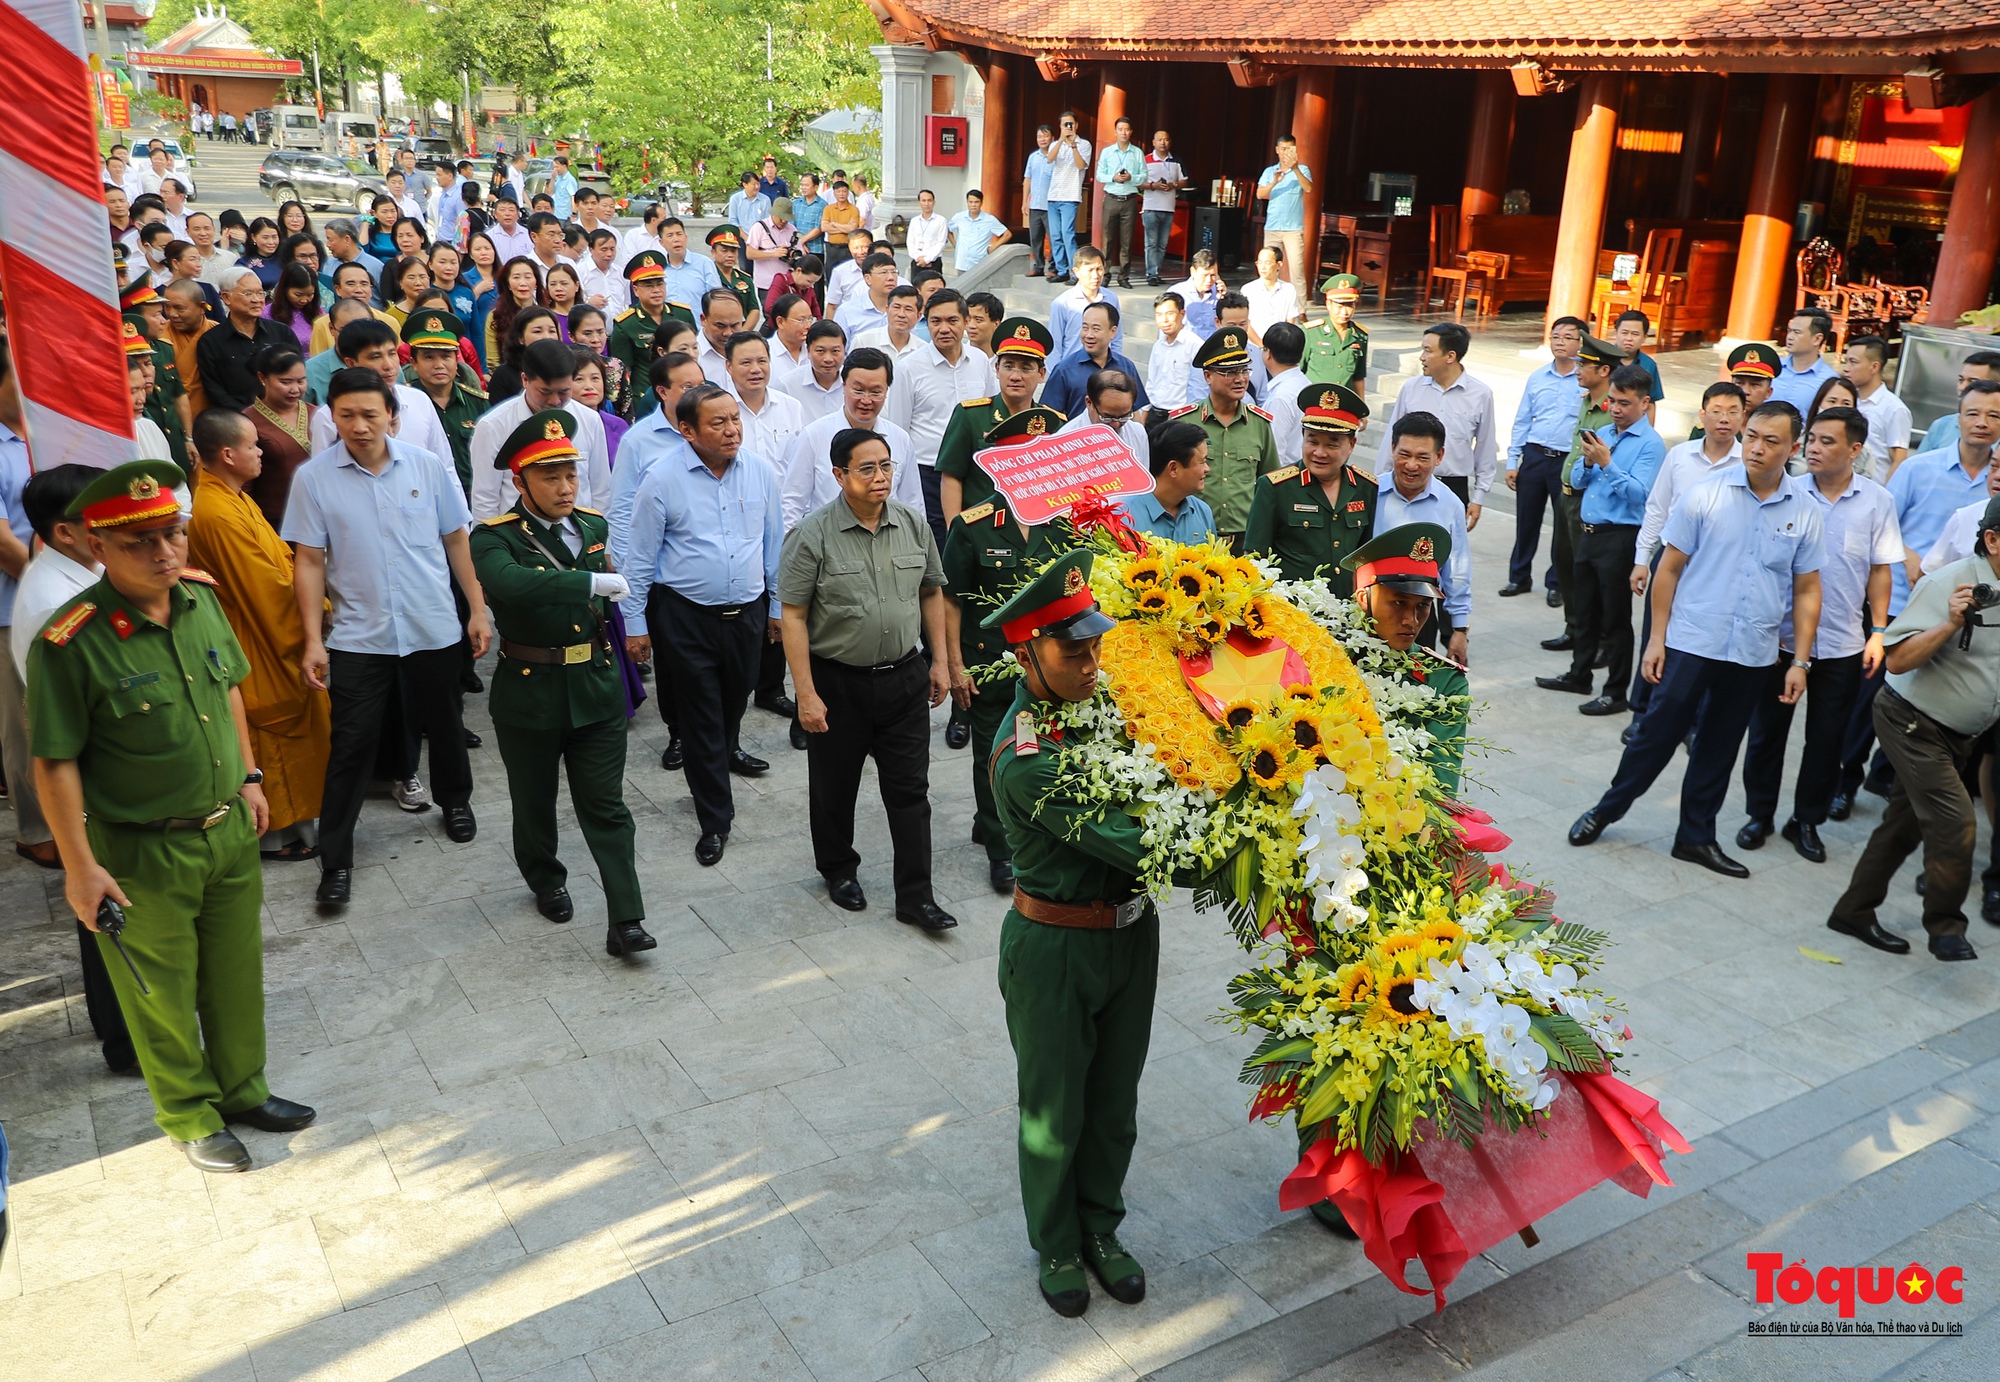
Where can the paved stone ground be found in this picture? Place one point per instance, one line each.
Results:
(781, 1144)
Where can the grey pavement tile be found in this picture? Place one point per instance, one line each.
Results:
(878, 1018)
(238, 1289)
(1839, 1101)
(1728, 1085)
(697, 1252)
(1981, 1139)
(970, 992)
(33, 1011)
(335, 1161)
(871, 1201)
(748, 1053)
(1196, 996)
(1177, 1104)
(43, 1340)
(989, 1263)
(537, 967)
(1978, 1086)
(768, 916)
(549, 1307)
(1208, 1195)
(407, 1336)
(320, 955)
(1960, 992)
(738, 1342)
(1652, 1328)
(407, 996)
(981, 1158)
(391, 1245)
(490, 1045)
(1975, 1043)
(566, 1192)
(1296, 1263)
(288, 893)
(744, 1140)
(53, 1150)
(1187, 1307)
(54, 1074)
(291, 1024)
(978, 1070)
(870, 1319)
(399, 937)
(455, 871)
(750, 984)
(616, 1089)
(875, 946)
(636, 1003)
(1969, 1359)
(70, 1235)
(1685, 1021)
(449, 1141)
(1048, 1349)
(888, 1099)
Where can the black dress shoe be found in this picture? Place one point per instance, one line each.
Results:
(1561, 643)
(555, 904)
(1514, 588)
(1841, 807)
(1952, 948)
(671, 757)
(1001, 871)
(334, 887)
(1606, 704)
(1754, 833)
(644, 669)
(274, 1115)
(1805, 839)
(778, 704)
(473, 741)
(469, 682)
(1871, 933)
(627, 938)
(120, 1058)
(1630, 732)
(957, 734)
(1568, 681)
(1710, 856)
(1555, 599)
(219, 1152)
(743, 765)
(978, 832)
(459, 826)
(1587, 827)
(846, 894)
(1989, 906)
(708, 849)
(927, 916)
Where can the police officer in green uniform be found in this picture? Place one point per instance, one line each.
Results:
(1337, 348)
(1021, 347)
(987, 552)
(725, 248)
(631, 342)
(558, 702)
(1241, 445)
(1079, 954)
(143, 761)
(1595, 360)
(1310, 517)
(1396, 581)
(159, 406)
(1753, 367)
(432, 334)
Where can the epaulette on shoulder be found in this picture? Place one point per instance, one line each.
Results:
(628, 312)
(975, 513)
(594, 513)
(1278, 477)
(1260, 412)
(499, 518)
(976, 402)
(1184, 411)
(476, 393)
(63, 629)
(1364, 476)
(189, 573)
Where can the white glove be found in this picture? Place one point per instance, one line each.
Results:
(610, 583)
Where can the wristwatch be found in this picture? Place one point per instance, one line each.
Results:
(254, 778)
(1804, 664)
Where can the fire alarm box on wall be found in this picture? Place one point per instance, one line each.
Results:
(945, 138)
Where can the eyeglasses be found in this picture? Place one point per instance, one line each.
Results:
(1114, 419)
(1240, 372)
(869, 470)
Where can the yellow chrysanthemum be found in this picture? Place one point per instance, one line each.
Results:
(1158, 707)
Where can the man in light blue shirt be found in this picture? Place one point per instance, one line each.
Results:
(748, 206)
(17, 537)
(1066, 312)
(1174, 509)
(1121, 168)
(975, 233)
(1035, 197)
(1414, 495)
(1740, 548)
(807, 208)
(450, 204)
(1804, 368)
(688, 275)
(1544, 425)
(706, 532)
(1981, 364)
(1614, 473)
(380, 530)
(652, 438)
(1283, 189)
(562, 186)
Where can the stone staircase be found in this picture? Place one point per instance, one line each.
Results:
(1896, 1163)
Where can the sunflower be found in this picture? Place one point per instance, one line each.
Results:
(1447, 933)
(1254, 622)
(1397, 945)
(1211, 629)
(1357, 985)
(1306, 734)
(1145, 573)
(1396, 1001)
(1239, 713)
(1191, 580)
(1266, 751)
(1153, 600)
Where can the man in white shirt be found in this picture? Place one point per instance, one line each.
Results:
(1168, 367)
(721, 318)
(864, 201)
(943, 373)
(510, 239)
(1464, 405)
(898, 339)
(407, 202)
(1108, 402)
(63, 568)
(770, 419)
(1069, 158)
(604, 284)
(374, 345)
(1284, 348)
(548, 369)
(870, 308)
(865, 377)
(1888, 416)
(1272, 299)
(843, 269)
(818, 387)
(214, 259)
(642, 237)
(928, 232)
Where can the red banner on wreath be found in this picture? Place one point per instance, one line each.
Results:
(1042, 476)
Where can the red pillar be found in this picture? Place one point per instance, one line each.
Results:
(1112, 97)
(1704, 116)
(1492, 149)
(1773, 203)
(1312, 127)
(1972, 227)
(998, 168)
(1582, 225)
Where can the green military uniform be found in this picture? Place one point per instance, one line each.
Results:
(973, 424)
(1292, 517)
(143, 709)
(738, 279)
(436, 329)
(557, 698)
(1568, 535)
(631, 338)
(986, 555)
(160, 408)
(1079, 996)
(1337, 354)
(1239, 450)
(1446, 754)
(1419, 550)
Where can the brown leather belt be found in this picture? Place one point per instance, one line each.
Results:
(550, 657)
(1086, 916)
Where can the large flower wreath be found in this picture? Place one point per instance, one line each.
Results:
(1410, 994)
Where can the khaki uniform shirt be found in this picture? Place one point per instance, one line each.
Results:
(1238, 453)
(861, 589)
(1958, 689)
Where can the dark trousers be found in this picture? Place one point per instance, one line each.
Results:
(1121, 215)
(1567, 538)
(882, 715)
(1537, 480)
(593, 756)
(1830, 690)
(360, 687)
(1860, 737)
(1928, 806)
(987, 713)
(1641, 694)
(1600, 580)
(1676, 700)
(1460, 485)
(657, 617)
(771, 669)
(714, 665)
(933, 502)
(100, 1001)
(1038, 235)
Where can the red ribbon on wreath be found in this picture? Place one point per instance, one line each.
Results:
(1394, 1208)
(1095, 511)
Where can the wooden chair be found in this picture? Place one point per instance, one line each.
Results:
(1818, 264)
(1652, 289)
(1336, 246)
(1370, 262)
(1447, 266)
(1485, 272)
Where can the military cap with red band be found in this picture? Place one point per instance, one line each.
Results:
(647, 266)
(1056, 604)
(546, 438)
(1331, 408)
(1755, 359)
(137, 295)
(133, 495)
(726, 235)
(1023, 336)
(132, 333)
(1405, 558)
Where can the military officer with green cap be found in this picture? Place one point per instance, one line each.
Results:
(725, 248)
(1396, 581)
(558, 701)
(1337, 348)
(987, 552)
(432, 334)
(631, 342)
(1079, 953)
(1595, 361)
(1241, 445)
(1021, 347)
(144, 764)
(1309, 517)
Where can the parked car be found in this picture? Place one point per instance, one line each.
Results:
(296, 127)
(319, 180)
(258, 125)
(183, 165)
(432, 153)
(541, 172)
(675, 196)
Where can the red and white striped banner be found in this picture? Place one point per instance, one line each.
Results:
(55, 243)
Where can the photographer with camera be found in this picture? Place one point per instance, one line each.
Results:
(1942, 693)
